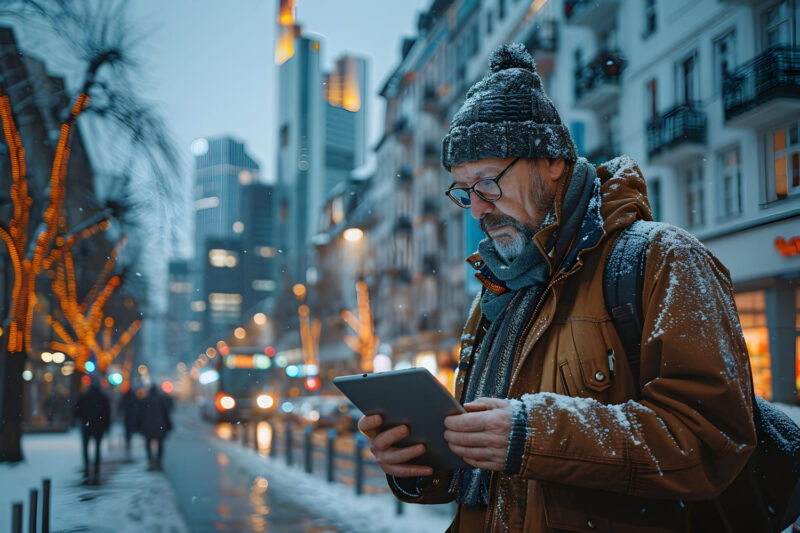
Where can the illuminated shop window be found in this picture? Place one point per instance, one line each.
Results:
(753, 317)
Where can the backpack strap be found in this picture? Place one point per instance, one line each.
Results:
(623, 278)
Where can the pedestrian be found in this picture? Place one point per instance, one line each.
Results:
(131, 407)
(561, 433)
(156, 423)
(93, 410)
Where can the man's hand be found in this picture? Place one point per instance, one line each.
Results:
(391, 459)
(480, 435)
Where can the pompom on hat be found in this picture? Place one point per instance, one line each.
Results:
(507, 114)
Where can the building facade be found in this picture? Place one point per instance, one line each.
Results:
(705, 95)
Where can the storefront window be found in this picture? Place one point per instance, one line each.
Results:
(753, 317)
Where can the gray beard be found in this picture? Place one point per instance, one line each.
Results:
(511, 247)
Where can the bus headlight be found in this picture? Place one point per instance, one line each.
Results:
(225, 402)
(265, 401)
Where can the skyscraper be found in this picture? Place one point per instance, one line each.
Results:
(345, 119)
(224, 171)
(301, 138)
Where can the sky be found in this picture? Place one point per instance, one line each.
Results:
(210, 63)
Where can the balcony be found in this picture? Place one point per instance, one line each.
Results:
(594, 13)
(541, 42)
(432, 103)
(763, 90)
(402, 225)
(603, 153)
(677, 135)
(597, 84)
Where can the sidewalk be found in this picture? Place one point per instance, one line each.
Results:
(129, 499)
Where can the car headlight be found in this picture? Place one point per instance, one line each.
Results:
(225, 402)
(265, 401)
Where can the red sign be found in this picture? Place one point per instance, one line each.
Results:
(788, 247)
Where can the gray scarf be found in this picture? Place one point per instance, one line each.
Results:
(525, 277)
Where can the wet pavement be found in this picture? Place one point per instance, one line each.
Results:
(214, 495)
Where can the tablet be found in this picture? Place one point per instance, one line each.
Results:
(413, 397)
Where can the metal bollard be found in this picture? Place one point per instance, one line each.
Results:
(255, 436)
(308, 449)
(244, 434)
(16, 518)
(288, 443)
(273, 445)
(32, 511)
(45, 505)
(399, 510)
(329, 455)
(359, 463)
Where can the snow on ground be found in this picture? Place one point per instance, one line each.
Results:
(372, 513)
(129, 499)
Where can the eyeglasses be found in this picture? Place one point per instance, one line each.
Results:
(487, 189)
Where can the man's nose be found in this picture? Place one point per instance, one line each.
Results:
(478, 206)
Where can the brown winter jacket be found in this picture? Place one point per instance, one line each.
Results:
(603, 452)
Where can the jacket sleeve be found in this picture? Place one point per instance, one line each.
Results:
(692, 431)
(428, 489)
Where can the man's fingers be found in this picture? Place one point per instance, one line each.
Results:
(408, 470)
(466, 421)
(369, 423)
(475, 454)
(484, 404)
(396, 456)
(479, 439)
(385, 439)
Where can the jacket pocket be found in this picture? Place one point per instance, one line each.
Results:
(590, 358)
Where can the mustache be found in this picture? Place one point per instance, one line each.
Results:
(488, 222)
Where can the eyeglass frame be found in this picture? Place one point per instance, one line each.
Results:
(472, 189)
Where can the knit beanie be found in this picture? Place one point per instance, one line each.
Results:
(507, 114)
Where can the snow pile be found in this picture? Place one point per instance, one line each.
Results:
(373, 513)
(129, 499)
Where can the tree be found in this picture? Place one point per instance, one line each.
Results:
(365, 341)
(97, 32)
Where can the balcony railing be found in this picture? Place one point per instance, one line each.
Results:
(405, 175)
(683, 126)
(773, 75)
(598, 81)
(431, 153)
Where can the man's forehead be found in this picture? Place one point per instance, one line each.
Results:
(470, 170)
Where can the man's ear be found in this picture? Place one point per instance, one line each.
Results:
(555, 167)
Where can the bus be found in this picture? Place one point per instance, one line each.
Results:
(239, 386)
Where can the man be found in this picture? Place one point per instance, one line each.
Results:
(559, 432)
(93, 410)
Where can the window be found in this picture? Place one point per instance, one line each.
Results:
(753, 317)
(724, 58)
(654, 195)
(686, 80)
(489, 22)
(776, 24)
(783, 161)
(284, 135)
(651, 98)
(695, 196)
(730, 194)
(501, 9)
(650, 24)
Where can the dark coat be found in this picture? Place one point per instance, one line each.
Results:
(131, 408)
(155, 415)
(94, 411)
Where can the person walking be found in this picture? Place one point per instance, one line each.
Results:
(155, 425)
(130, 405)
(562, 432)
(93, 411)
